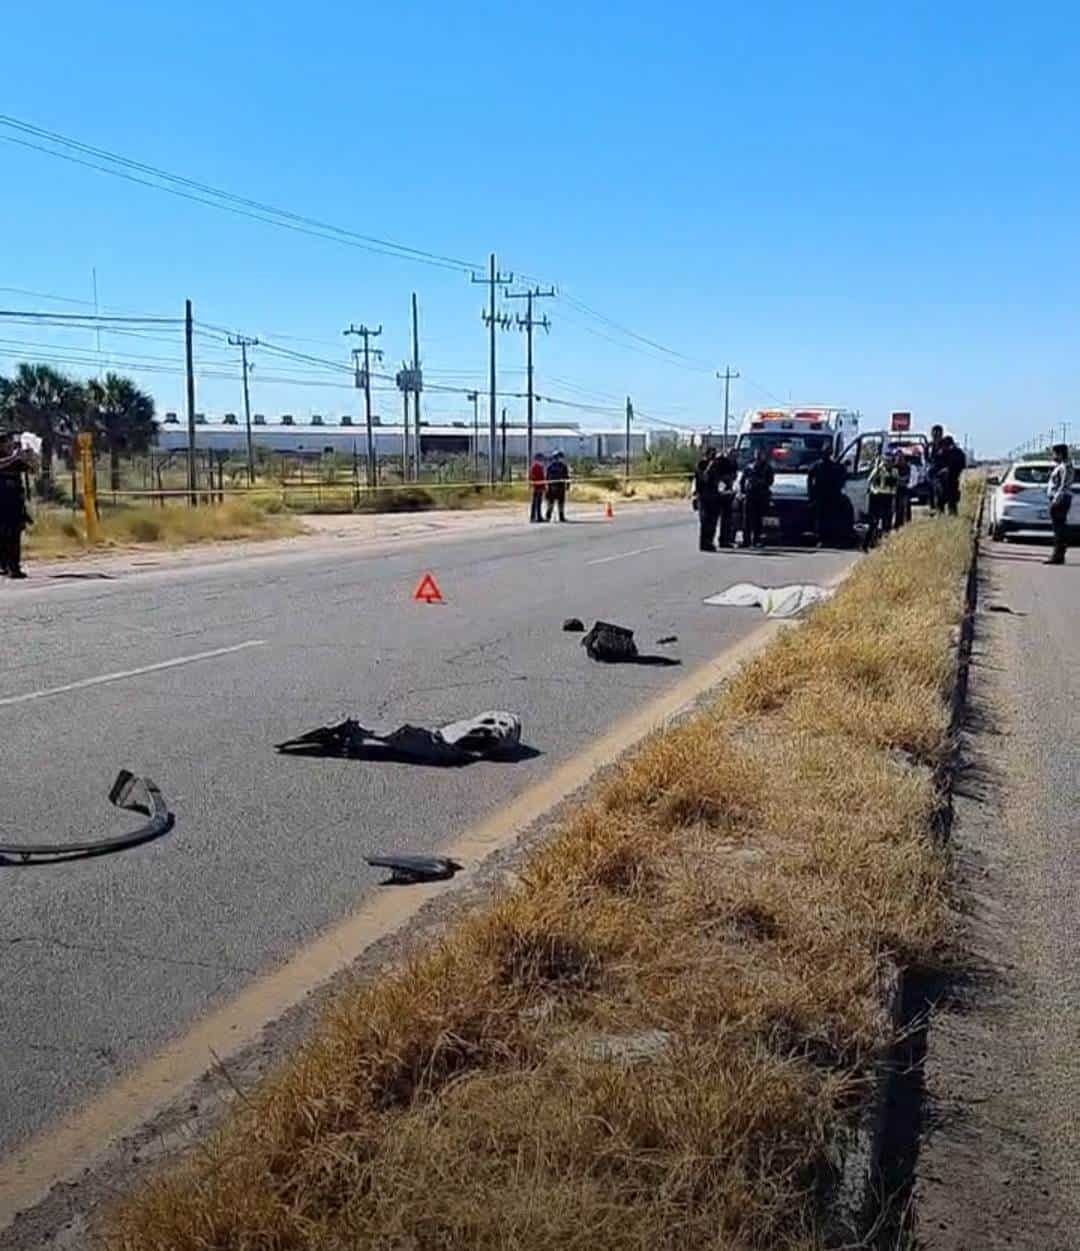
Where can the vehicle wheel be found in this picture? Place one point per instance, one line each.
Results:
(845, 525)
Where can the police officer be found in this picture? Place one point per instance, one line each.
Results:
(14, 518)
(825, 488)
(756, 488)
(558, 479)
(707, 499)
(882, 485)
(727, 471)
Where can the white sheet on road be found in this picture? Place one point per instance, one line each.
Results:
(774, 601)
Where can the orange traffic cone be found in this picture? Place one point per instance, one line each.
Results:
(609, 512)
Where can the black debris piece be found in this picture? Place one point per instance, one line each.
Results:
(668, 638)
(574, 625)
(609, 642)
(409, 870)
(129, 792)
(486, 736)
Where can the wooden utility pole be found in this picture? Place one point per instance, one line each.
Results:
(533, 293)
(190, 371)
(243, 344)
(365, 381)
(727, 376)
(493, 321)
(629, 418)
(502, 470)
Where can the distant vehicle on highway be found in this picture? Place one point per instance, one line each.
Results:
(1018, 502)
(794, 438)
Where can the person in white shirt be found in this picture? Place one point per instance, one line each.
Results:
(1059, 493)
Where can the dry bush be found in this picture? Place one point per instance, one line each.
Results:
(651, 1041)
(60, 533)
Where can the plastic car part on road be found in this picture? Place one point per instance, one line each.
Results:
(122, 795)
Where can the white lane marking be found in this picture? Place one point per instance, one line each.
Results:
(603, 560)
(129, 673)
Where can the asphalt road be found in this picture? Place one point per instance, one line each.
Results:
(1000, 1167)
(103, 960)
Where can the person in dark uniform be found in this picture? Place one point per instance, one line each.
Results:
(955, 464)
(727, 472)
(937, 467)
(707, 498)
(14, 518)
(558, 479)
(825, 490)
(756, 489)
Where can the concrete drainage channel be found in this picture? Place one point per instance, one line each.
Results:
(866, 1198)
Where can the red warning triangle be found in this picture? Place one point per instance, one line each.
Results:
(427, 590)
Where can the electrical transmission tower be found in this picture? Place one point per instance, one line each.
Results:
(528, 323)
(243, 344)
(363, 379)
(493, 321)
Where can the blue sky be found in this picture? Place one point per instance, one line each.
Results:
(867, 204)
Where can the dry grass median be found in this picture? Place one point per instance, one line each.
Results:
(650, 1042)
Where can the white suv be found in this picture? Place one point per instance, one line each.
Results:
(1018, 501)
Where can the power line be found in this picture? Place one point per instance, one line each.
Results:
(215, 197)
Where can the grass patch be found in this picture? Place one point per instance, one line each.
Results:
(736, 892)
(58, 533)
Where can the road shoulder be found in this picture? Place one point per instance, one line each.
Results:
(1001, 1146)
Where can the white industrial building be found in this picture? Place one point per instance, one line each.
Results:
(319, 436)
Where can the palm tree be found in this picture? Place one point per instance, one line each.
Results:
(47, 403)
(123, 417)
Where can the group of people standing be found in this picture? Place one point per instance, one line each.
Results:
(717, 484)
(549, 480)
(15, 464)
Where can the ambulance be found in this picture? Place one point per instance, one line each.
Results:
(794, 438)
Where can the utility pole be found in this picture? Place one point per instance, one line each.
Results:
(417, 375)
(364, 333)
(533, 293)
(474, 396)
(629, 418)
(727, 376)
(502, 470)
(190, 370)
(243, 344)
(405, 436)
(493, 280)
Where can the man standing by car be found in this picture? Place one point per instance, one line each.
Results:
(558, 479)
(956, 463)
(882, 485)
(937, 468)
(727, 471)
(1059, 493)
(903, 488)
(537, 481)
(756, 488)
(825, 489)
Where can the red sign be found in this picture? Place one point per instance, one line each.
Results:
(900, 422)
(427, 591)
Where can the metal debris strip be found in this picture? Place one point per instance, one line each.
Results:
(485, 736)
(125, 793)
(406, 870)
(667, 639)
